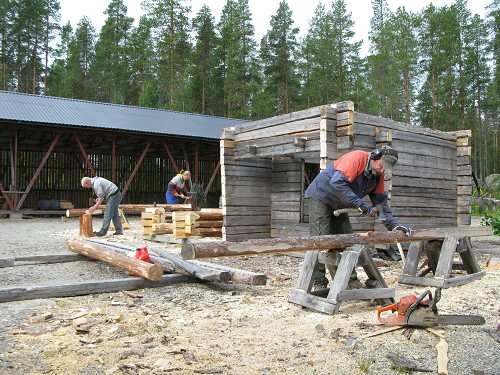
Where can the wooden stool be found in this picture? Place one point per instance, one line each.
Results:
(440, 256)
(340, 264)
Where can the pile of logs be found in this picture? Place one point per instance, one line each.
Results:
(161, 261)
(181, 224)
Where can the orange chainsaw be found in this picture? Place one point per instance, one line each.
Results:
(422, 312)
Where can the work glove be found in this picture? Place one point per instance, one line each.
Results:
(365, 210)
(404, 228)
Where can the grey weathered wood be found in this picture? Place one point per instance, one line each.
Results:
(51, 258)
(423, 281)
(394, 125)
(305, 125)
(278, 120)
(302, 298)
(469, 259)
(445, 262)
(236, 275)
(193, 269)
(87, 287)
(309, 268)
(360, 294)
(341, 279)
(7, 262)
(462, 280)
(413, 257)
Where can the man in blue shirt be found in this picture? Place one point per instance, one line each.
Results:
(343, 184)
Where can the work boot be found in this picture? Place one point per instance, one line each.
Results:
(118, 232)
(391, 254)
(354, 283)
(100, 233)
(320, 285)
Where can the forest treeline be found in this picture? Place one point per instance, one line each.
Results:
(438, 67)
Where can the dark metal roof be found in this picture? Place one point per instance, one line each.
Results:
(49, 110)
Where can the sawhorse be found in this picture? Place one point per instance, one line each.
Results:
(340, 264)
(440, 256)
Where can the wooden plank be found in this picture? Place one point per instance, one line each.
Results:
(304, 299)
(360, 294)
(299, 126)
(236, 275)
(413, 257)
(278, 120)
(49, 259)
(87, 287)
(443, 269)
(422, 281)
(462, 280)
(394, 125)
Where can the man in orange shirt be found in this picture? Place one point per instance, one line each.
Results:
(343, 184)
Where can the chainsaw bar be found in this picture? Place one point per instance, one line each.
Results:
(431, 320)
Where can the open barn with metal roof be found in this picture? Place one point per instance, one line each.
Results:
(48, 144)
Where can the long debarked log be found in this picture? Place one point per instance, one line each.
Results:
(237, 276)
(76, 212)
(339, 241)
(130, 208)
(22, 293)
(146, 270)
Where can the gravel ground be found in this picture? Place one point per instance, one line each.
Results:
(215, 328)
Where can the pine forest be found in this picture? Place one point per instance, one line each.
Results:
(439, 67)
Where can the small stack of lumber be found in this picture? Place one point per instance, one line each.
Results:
(182, 224)
(150, 217)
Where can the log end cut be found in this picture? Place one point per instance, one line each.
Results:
(188, 252)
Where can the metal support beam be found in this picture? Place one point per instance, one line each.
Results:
(7, 199)
(196, 166)
(85, 156)
(172, 160)
(39, 169)
(136, 168)
(113, 159)
(212, 179)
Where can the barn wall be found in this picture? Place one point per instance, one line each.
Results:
(59, 178)
(429, 187)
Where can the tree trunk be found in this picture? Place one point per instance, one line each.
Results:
(339, 241)
(135, 266)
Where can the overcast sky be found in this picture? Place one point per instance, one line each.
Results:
(302, 12)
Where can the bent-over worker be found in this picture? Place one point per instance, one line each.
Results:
(175, 188)
(343, 184)
(108, 192)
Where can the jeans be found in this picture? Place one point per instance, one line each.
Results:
(171, 199)
(322, 221)
(111, 213)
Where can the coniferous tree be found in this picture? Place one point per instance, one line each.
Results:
(7, 53)
(170, 28)
(58, 80)
(110, 68)
(142, 66)
(31, 26)
(81, 55)
(329, 57)
(239, 54)
(278, 55)
(202, 89)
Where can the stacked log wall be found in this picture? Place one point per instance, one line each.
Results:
(246, 193)
(429, 186)
(423, 187)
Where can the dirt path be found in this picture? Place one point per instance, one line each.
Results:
(211, 328)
